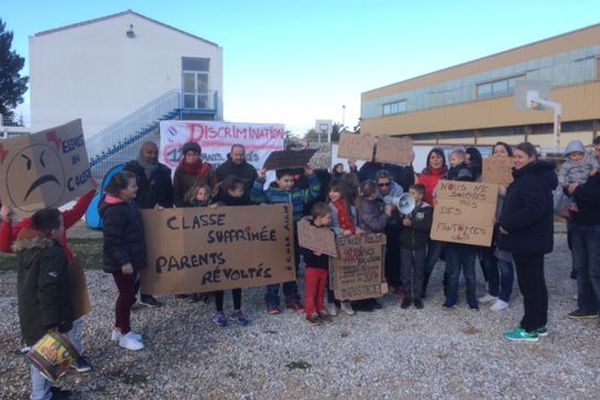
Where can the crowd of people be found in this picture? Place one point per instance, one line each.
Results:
(349, 202)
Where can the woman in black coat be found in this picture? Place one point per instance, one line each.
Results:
(526, 231)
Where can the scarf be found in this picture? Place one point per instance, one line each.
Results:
(345, 219)
(197, 169)
(149, 168)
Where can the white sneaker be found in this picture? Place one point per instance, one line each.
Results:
(130, 343)
(488, 298)
(347, 308)
(332, 309)
(499, 305)
(116, 335)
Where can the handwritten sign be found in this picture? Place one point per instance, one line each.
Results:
(394, 150)
(288, 159)
(316, 239)
(464, 213)
(497, 170)
(322, 158)
(358, 271)
(357, 147)
(46, 169)
(195, 250)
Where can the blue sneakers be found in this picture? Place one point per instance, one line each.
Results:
(220, 319)
(239, 317)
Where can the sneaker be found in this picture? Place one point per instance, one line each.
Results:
(347, 308)
(149, 301)
(81, 365)
(296, 306)
(116, 335)
(580, 314)
(273, 310)
(541, 332)
(220, 319)
(377, 305)
(314, 320)
(129, 342)
(488, 298)
(58, 393)
(418, 304)
(239, 317)
(521, 334)
(448, 305)
(473, 305)
(324, 317)
(406, 302)
(332, 309)
(399, 292)
(499, 305)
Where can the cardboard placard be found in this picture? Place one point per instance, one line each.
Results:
(497, 170)
(316, 239)
(322, 158)
(195, 250)
(80, 297)
(358, 271)
(285, 159)
(357, 147)
(464, 212)
(394, 150)
(46, 169)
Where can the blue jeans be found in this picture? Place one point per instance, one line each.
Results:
(586, 255)
(76, 335)
(500, 275)
(460, 257)
(40, 386)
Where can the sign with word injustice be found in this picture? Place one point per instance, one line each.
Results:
(358, 270)
(321, 240)
(195, 250)
(464, 212)
(357, 147)
(497, 170)
(216, 138)
(394, 150)
(45, 169)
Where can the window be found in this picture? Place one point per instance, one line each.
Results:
(195, 82)
(598, 69)
(396, 107)
(502, 87)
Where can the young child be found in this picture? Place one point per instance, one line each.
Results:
(413, 247)
(42, 288)
(460, 256)
(317, 265)
(373, 216)
(577, 168)
(198, 196)
(282, 191)
(124, 252)
(231, 193)
(343, 222)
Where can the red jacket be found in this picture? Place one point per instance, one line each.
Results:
(430, 181)
(8, 233)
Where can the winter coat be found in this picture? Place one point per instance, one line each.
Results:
(371, 215)
(587, 197)
(244, 171)
(123, 235)
(311, 259)
(527, 213)
(156, 190)
(461, 172)
(335, 218)
(416, 236)
(297, 197)
(183, 181)
(42, 286)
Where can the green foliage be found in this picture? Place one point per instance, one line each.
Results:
(12, 85)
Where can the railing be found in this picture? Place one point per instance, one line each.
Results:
(9, 128)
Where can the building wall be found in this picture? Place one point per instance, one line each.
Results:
(95, 72)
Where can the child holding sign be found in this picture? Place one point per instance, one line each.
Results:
(282, 191)
(317, 265)
(231, 193)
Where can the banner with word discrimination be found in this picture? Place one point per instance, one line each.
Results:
(216, 139)
(194, 250)
(464, 213)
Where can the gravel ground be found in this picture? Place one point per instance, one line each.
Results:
(388, 354)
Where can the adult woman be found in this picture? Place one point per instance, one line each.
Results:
(191, 171)
(475, 162)
(497, 263)
(430, 177)
(526, 231)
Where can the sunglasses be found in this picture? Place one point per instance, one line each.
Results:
(383, 184)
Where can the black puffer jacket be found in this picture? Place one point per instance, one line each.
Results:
(42, 286)
(527, 213)
(123, 235)
(244, 171)
(156, 190)
(416, 236)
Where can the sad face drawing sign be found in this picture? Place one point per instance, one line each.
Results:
(46, 169)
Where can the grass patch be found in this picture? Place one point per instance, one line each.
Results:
(88, 251)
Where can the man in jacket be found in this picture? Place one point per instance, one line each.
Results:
(237, 165)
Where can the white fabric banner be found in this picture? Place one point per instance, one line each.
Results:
(216, 139)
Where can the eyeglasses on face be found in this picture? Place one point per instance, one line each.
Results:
(383, 184)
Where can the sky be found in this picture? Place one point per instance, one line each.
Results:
(293, 62)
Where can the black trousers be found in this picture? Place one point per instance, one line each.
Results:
(532, 283)
(237, 299)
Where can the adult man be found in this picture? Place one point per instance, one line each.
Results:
(155, 189)
(236, 165)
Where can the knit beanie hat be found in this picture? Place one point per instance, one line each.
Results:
(191, 146)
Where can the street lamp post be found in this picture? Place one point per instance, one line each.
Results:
(343, 116)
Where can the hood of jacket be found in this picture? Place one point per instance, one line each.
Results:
(543, 170)
(30, 239)
(109, 201)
